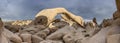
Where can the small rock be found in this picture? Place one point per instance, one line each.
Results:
(36, 39)
(26, 37)
(60, 24)
(43, 34)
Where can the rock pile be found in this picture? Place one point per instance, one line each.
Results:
(22, 22)
(45, 28)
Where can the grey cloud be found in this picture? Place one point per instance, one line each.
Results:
(27, 9)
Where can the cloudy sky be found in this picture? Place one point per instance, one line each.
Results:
(27, 9)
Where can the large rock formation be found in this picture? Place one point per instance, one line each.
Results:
(47, 16)
(7, 36)
(3, 38)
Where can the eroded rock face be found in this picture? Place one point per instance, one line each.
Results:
(103, 34)
(100, 37)
(41, 20)
(73, 37)
(117, 13)
(92, 28)
(114, 30)
(116, 27)
(33, 29)
(13, 28)
(6, 36)
(43, 34)
(106, 22)
(60, 33)
(60, 24)
(3, 39)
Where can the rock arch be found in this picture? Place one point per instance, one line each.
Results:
(50, 14)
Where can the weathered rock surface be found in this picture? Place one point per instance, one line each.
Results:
(43, 34)
(7, 36)
(100, 37)
(36, 39)
(106, 22)
(92, 28)
(50, 41)
(113, 38)
(26, 37)
(73, 38)
(33, 29)
(12, 37)
(60, 33)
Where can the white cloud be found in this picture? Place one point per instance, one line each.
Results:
(6, 20)
(87, 20)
